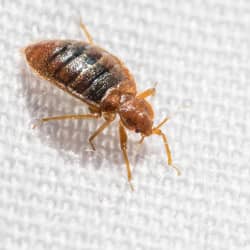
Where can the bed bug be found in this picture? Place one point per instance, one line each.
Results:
(100, 80)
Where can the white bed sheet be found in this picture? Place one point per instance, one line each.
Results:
(55, 193)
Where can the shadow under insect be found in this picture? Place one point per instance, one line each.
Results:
(70, 137)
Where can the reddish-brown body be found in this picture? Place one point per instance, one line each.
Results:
(100, 80)
(93, 75)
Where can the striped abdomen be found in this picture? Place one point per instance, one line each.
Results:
(84, 70)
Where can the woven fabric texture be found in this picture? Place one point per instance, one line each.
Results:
(56, 193)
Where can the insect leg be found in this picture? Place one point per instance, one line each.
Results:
(64, 117)
(157, 131)
(86, 32)
(146, 93)
(108, 121)
(123, 144)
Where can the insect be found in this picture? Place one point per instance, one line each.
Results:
(100, 80)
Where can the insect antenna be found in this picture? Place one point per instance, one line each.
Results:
(157, 131)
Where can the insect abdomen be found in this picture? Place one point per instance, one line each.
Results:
(79, 68)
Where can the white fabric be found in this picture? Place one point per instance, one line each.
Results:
(55, 193)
